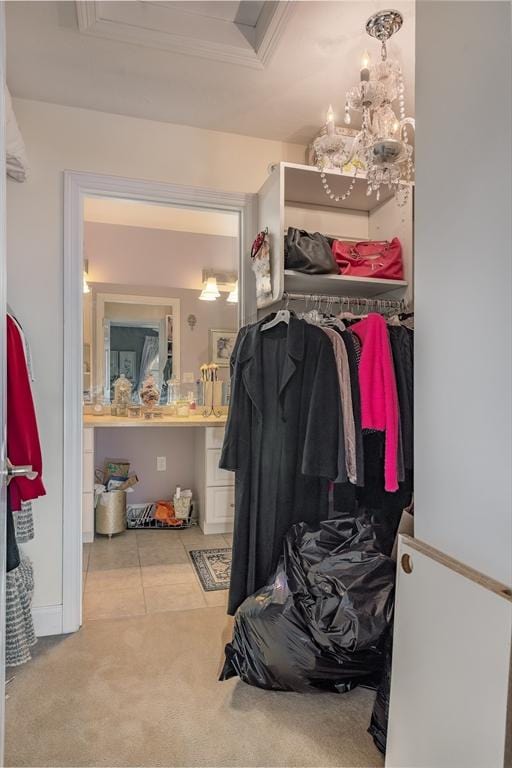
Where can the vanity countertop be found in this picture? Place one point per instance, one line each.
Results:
(165, 421)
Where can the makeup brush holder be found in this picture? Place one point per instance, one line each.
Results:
(212, 398)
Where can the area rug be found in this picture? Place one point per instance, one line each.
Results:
(213, 567)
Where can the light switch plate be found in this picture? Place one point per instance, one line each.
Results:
(161, 463)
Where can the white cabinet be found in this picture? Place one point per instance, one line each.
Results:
(214, 486)
(220, 507)
(88, 485)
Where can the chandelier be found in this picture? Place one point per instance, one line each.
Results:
(381, 148)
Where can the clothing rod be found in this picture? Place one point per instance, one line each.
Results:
(397, 304)
(345, 238)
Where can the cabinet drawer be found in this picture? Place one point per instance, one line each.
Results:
(214, 437)
(88, 473)
(215, 475)
(88, 513)
(88, 439)
(220, 503)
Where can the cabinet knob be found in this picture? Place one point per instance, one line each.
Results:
(406, 563)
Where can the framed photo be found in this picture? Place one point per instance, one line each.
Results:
(127, 365)
(221, 346)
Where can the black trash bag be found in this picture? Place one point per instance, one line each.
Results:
(379, 720)
(319, 623)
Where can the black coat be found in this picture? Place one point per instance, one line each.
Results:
(281, 440)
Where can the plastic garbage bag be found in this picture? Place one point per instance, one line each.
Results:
(319, 623)
(379, 721)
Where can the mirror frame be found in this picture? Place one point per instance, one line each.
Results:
(98, 357)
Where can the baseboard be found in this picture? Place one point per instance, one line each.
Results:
(215, 528)
(87, 537)
(47, 620)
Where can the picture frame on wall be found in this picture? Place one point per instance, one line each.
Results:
(127, 364)
(222, 343)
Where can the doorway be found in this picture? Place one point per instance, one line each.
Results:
(160, 302)
(80, 187)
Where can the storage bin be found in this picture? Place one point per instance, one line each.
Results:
(111, 513)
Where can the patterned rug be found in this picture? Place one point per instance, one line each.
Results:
(213, 567)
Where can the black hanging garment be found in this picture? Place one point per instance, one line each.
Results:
(281, 440)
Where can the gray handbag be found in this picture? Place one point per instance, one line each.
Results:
(308, 252)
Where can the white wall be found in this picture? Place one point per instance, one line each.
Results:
(59, 138)
(139, 255)
(142, 446)
(463, 279)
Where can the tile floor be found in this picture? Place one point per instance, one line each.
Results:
(139, 572)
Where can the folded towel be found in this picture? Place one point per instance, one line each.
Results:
(16, 160)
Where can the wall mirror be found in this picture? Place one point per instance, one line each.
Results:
(160, 297)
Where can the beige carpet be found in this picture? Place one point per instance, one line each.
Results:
(143, 692)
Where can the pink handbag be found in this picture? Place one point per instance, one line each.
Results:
(374, 258)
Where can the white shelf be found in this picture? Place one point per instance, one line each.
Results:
(303, 186)
(341, 285)
(293, 195)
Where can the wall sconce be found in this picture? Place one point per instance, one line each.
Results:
(215, 282)
(210, 291)
(233, 295)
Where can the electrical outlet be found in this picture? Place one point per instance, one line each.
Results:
(161, 463)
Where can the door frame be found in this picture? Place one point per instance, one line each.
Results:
(77, 186)
(3, 359)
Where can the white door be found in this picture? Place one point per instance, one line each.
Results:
(3, 457)
(451, 658)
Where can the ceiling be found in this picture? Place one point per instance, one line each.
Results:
(265, 69)
(133, 213)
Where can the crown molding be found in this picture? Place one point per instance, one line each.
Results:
(96, 19)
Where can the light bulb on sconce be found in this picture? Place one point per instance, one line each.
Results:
(210, 291)
(233, 295)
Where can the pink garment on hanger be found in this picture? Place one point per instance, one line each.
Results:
(379, 397)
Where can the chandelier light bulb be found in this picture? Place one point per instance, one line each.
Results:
(331, 128)
(365, 67)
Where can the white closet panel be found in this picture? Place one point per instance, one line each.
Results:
(451, 658)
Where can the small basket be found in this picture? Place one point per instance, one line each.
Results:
(141, 516)
(111, 513)
(182, 507)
